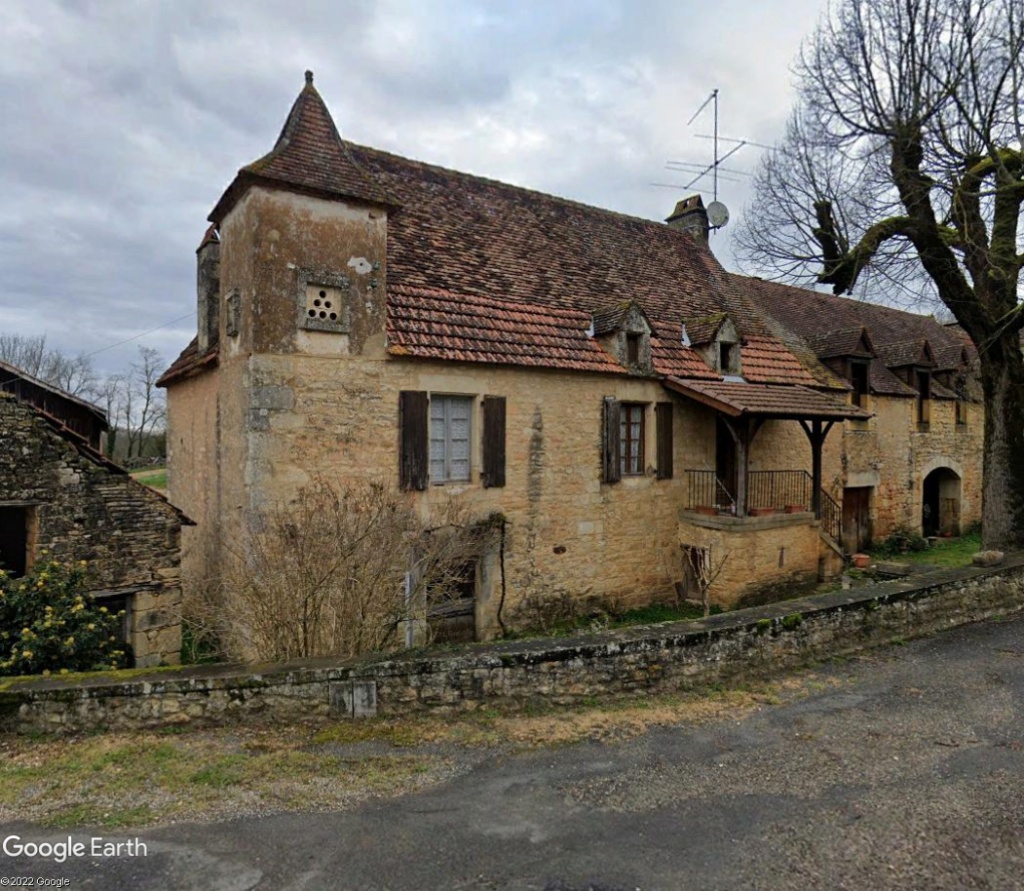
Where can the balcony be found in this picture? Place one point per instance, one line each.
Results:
(768, 493)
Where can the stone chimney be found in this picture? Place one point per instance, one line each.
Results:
(208, 290)
(690, 216)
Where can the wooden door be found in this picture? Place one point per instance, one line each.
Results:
(725, 462)
(856, 518)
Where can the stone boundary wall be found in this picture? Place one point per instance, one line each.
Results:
(753, 643)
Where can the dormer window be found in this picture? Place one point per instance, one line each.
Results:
(624, 332)
(717, 341)
(859, 382)
(924, 392)
(729, 358)
(633, 348)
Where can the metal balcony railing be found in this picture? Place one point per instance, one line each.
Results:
(777, 490)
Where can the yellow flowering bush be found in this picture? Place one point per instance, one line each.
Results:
(48, 623)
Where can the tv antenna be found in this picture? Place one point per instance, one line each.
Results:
(718, 213)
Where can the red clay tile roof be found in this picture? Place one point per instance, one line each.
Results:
(906, 352)
(210, 237)
(188, 363)
(477, 237)
(705, 330)
(765, 401)
(938, 391)
(765, 360)
(309, 155)
(434, 324)
(464, 235)
(607, 320)
(670, 357)
(846, 342)
(813, 315)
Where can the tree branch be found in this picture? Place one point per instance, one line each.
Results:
(841, 265)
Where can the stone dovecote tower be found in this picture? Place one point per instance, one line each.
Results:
(291, 289)
(303, 241)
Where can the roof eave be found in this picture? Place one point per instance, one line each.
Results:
(246, 179)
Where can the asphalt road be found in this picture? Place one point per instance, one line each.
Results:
(907, 771)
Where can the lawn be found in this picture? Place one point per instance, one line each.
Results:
(946, 552)
(154, 477)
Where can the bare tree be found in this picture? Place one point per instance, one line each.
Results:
(26, 353)
(110, 397)
(73, 374)
(145, 407)
(703, 571)
(337, 571)
(903, 164)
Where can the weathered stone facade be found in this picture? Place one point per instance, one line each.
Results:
(752, 643)
(279, 389)
(80, 507)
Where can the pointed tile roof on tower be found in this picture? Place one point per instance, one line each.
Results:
(309, 156)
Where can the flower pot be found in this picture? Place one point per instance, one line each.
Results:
(795, 508)
(761, 511)
(861, 561)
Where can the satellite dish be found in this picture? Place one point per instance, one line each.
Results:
(718, 214)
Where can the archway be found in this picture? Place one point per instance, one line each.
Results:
(940, 503)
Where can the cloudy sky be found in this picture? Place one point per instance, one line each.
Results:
(124, 121)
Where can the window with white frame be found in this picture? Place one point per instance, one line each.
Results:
(450, 421)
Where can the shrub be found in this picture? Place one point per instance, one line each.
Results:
(902, 540)
(339, 571)
(49, 623)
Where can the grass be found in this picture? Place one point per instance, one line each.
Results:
(603, 621)
(946, 552)
(114, 675)
(650, 615)
(117, 780)
(154, 477)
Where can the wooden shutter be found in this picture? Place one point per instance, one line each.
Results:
(412, 431)
(663, 425)
(611, 471)
(494, 442)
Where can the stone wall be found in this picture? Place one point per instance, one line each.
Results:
(83, 509)
(752, 643)
(755, 556)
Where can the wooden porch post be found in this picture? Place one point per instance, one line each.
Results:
(816, 434)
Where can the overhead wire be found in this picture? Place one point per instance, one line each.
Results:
(137, 336)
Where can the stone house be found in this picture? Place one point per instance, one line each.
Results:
(917, 461)
(596, 380)
(60, 496)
